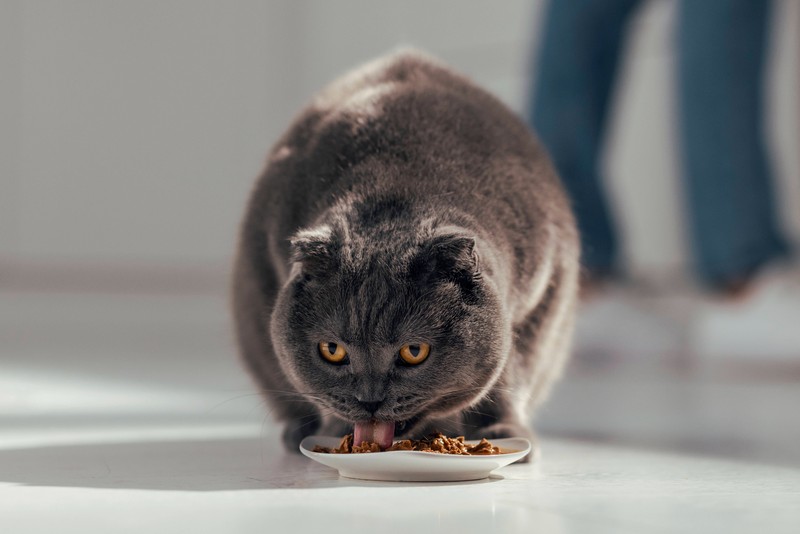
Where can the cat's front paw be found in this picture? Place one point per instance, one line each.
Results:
(298, 429)
(510, 430)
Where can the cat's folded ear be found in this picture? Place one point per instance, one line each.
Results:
(449, 256)
(316, 249)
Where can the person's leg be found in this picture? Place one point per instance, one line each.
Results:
(575, 70)
(721, 48)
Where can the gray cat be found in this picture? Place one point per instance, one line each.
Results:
(408, 262)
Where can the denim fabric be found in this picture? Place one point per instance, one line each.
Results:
(721, 47)
(721, 59)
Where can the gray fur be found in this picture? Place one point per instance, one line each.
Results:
(404, 205)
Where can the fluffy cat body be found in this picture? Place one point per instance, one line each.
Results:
(406, 205)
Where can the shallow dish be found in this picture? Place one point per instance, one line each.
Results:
(415, 466)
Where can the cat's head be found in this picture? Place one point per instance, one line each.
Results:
(398, 327)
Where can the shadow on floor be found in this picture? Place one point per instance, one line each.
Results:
(213, 465)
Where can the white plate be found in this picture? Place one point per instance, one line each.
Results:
(414, 466)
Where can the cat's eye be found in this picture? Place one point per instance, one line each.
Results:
(414, 354)
(333, 352)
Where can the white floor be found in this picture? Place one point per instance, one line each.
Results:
(130, 414)
(234, 480)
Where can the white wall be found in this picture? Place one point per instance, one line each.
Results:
(10, 87)
(131, 132)
(140, 126)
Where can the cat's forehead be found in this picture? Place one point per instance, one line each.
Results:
(369, 324)
(376, 308)
(377, 259)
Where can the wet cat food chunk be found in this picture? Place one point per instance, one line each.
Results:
(367, 446)
(438, 443)
(346, 446)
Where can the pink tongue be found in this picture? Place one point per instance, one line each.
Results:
(381, 432)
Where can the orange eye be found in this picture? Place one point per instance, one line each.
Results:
(332, 352)
(414, 354)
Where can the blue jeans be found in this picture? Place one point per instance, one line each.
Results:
(727, 179)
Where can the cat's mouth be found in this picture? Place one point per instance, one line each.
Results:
(382, 432)
(374, 431)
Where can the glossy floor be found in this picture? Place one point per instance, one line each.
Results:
(129, 414)
(236, 479)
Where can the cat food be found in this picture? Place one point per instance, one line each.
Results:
(438, 443)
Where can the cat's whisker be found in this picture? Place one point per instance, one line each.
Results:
(219, 404)
(313, 416)
(297, 397)
(289, 392)
(476, 412)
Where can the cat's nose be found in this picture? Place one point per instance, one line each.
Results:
(371, 405)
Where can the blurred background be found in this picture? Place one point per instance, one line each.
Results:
(132, 132)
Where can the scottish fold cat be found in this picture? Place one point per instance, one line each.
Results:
(408, 261)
